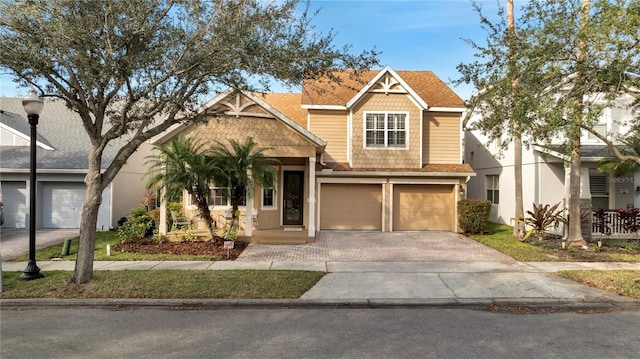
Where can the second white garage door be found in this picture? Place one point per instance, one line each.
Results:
(62, 204)
(351, 206)
(423, 207)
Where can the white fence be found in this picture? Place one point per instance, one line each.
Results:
(616, 223)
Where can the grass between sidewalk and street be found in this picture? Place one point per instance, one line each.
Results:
(622, 282)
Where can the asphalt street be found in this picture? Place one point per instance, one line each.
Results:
(315, 333)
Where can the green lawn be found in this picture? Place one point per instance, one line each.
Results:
(500, 237)
(159, 284)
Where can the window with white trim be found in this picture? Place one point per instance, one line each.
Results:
(219, 198)
(385, 129)
(493, 188)
(268, 198)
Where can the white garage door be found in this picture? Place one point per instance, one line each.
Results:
(351, 206)
(423, 207)
(62, 204)
(14, 198)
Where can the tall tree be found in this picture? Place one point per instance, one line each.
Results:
(569, 67)
(571, 51)
(133, 68)
(182, 165)
(518, 227)
(504, 104)
(242, 164)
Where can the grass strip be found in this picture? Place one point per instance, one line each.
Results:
(622, 282)
(165, 284)
(500, 237)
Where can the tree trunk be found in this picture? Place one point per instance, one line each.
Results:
(235, 199)
(575, 228)
(205, 213)
(518, 228)
(93, 198)
(575, 213)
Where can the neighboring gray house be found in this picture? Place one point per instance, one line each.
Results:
(545, 168)
(62, 157)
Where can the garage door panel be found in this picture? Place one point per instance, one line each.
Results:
(423, 207)
(351, 207)
(14, 199)
(62, 204)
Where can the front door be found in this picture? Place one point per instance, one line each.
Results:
(293, 195)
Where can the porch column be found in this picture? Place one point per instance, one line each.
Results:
(567, 181)
(312, 196)
(162, 226)
(248, 213)
(585, 203)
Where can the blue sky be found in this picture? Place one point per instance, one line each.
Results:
(412, 35)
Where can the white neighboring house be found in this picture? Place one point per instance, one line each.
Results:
(62, 157)
(545, 169)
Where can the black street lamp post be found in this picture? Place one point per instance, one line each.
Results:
(33, 107)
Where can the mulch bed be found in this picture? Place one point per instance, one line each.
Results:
(200, 248)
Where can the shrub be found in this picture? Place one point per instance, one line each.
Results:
(473, 215)
(542, 217)
(137, 226)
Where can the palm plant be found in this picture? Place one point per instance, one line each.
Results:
(242, 164)
(630, 147)
(183, 166)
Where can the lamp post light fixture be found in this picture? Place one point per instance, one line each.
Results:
(33, 107)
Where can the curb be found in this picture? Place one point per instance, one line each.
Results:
(508, 305)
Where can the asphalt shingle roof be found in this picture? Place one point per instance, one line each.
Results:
(425, 84)
(59, 128)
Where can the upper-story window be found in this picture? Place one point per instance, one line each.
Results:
(386, 129)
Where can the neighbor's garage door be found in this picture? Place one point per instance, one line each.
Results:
(351, 206)
(14, 199)
(423, 207)
(62, 204)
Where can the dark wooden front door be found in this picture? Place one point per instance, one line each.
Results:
(293, 197)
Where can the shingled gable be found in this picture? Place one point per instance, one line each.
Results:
(426, 88)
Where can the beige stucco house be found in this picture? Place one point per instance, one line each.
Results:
(381, 153)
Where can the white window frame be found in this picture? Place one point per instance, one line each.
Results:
(191, 205)
(271, 207)
(386, 130)
(492, 183)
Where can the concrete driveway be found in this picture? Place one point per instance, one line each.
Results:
(15, 242)
(348, 246)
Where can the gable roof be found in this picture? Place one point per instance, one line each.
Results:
(285, 107)
(289, 104)
(63, 144)
(424, 84)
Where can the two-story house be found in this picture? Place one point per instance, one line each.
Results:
(378, 153)
(545, 168)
